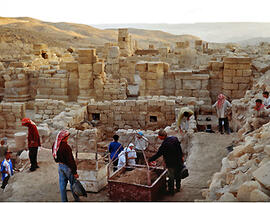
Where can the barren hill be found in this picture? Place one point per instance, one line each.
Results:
(18, 34)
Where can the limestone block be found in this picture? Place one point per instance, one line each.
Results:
(184, 93)
(114, 52)
(262, 175)
(238, 93)
(98, 68)
(85, 68)
(227, 79)
(227, 197)
(154, 84)
(243, 86)
(244, 60)
(200, 93)
(259, 196)
(243, 80)
(84, 84)
(247, 73)
(44, 91)
(178, 84)
(151, 76)
(169, 84)
(243, 193)
(16, 83)
(191, 84)
(98, 84)
(85, 60)
(59, 91)
(86, 52)
(229, 73)
(230, 86)
(72, 66)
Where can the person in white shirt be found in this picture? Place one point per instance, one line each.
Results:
(222, 106)
(6, 169)
(141, 144)
(128, 152)
(266, 101)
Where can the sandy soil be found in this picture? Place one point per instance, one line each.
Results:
(42, 185)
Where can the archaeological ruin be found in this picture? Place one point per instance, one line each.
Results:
(122, 88)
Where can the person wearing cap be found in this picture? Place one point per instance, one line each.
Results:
(67, 169)
(33, 142)
(266, 101)
(115, 148)
(141, 144)
(6, 169)
(222, 105)
(172, 154)
(128, 153)
(183, 119)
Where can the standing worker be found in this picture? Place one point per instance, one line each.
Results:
(115, 148)
(183, 119)
(6, 169)
(128, 154)
(222, 106)
(67, 169)
(33, 142)
(141, 144)
(173, 156)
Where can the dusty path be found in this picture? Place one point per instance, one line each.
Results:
(207, 151)
(42, 185)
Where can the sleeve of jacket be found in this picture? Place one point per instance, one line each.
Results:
(158, 154)
(70, 160)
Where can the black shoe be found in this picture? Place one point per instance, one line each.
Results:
(32, 169)
(170, 192)
(37, 166)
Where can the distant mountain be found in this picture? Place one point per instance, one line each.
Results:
(212, 32)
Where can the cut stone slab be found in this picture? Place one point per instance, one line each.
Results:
(262, 175)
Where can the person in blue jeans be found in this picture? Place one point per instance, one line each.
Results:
(67, 169)
(115, 148)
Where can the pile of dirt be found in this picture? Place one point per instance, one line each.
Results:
(137, 176)
(88, 164)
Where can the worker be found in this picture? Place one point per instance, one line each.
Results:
(115, 148)
(222, 106)
(128, 153)
(173, 157)
(33, 142)
(260, 116)
(266, 101)
(67, 169)
(6, 169)
(141, 144)
(183, 119)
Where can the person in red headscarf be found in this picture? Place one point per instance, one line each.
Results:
(67, 169)
(259, 117)
(33, 142)
(222, 106)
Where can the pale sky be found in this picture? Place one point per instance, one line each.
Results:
(138, 11)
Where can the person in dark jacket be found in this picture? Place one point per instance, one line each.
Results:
(33, 142)
(172, 154)
(115, 148)
(67, 169)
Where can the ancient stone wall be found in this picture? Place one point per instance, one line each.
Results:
(143, 113)
(47, 109)
(11, 115)
(125, 42)
(236, 76)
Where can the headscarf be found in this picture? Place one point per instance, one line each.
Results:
(221, 100)
(259, 108)
(60, 136)
(27, 121)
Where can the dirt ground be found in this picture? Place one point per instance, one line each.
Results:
(206, 153)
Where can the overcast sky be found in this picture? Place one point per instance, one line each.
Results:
(138, 11)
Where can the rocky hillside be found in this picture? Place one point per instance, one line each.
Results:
(18, 34)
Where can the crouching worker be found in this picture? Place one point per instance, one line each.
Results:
(172, 154)
(260, 116)
(6, 169)
(67, 168)
(183, 119)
